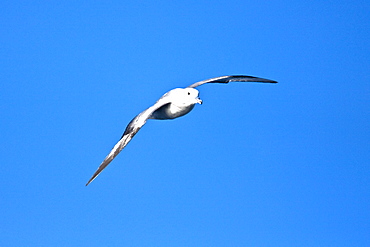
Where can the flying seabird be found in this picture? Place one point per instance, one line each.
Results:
(173, 104)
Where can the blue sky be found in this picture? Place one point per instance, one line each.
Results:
(255, 165)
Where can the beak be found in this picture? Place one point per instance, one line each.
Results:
(199, 101)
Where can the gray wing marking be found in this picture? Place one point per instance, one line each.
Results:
(231, 78)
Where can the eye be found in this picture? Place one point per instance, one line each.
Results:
(188, 93)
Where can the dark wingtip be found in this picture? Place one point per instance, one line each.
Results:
(91, 179)
(266, 80)
(252, 78)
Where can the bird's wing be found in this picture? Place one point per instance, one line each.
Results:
(132, 128)
(229, 78)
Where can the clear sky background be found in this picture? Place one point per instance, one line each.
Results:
(284, 164)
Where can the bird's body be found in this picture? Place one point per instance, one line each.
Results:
(182, 102)
(170, 111)
(173, 104)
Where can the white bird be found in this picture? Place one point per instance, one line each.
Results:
(173, 104)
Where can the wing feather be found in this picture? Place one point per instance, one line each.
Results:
(231, 78)
(132, 128)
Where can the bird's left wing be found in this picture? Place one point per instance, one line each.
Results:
(230, 78)
(132, 128)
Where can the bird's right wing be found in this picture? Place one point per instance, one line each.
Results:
(132, 128)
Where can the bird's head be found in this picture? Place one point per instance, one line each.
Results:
(192, 95)
(184, 96)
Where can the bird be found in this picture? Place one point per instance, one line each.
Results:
(173, 104)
